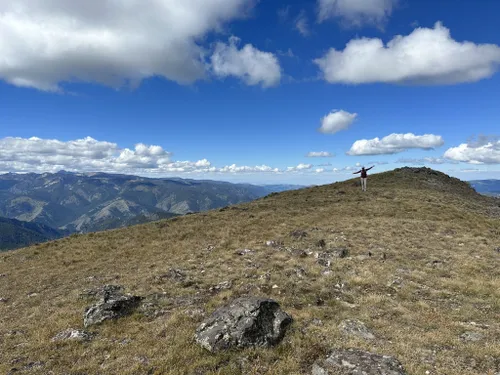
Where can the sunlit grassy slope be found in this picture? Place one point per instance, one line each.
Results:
(439, 278)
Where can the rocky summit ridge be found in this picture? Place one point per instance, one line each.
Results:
(402, 279)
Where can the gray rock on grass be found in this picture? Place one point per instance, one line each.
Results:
(356, 328)
(245, 322)
(357, 362)
(113, 305)
(74, 334)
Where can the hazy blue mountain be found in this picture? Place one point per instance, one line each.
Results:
(15, 233)
(97, 201)
(280, 188)
(487, 187)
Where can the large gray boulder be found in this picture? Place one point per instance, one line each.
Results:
(245, 322)
(113, 305)
(357, 362)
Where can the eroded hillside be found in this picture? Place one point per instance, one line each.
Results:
(415, 261)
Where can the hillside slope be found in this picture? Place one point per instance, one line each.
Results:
(98, 201)
(422, 274)
(15, 234)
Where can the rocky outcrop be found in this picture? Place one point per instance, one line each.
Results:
(113, 305)
(357, 362)
(245, 322)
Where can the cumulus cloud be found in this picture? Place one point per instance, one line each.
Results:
(395, 143)
(87, 154)
(476, 153)
(425, 57)
(319, 154)
(336, 121)
(356, 12)
(45, 43)
(319, 170)
(300, 167)
(252, 66)
(90, 155)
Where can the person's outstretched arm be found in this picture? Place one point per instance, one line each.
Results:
(358, 172)
(370, 168)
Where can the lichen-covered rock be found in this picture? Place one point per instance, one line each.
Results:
(112, 306)
(357, 362)
(245, 322)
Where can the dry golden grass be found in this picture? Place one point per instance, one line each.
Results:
(417, 310)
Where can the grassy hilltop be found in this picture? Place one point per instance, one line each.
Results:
(423, 274)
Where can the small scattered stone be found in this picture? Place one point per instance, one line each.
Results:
(244, 251)
(195, 313)
(221, 286)
(471, 336)
(357, 362)
(497, 250)
(298, 234)
(245, 322)
(172, 274)
(436, 263)
(356, 328)
(317, 322)
(4, 300)
(275, 286)
(74, 334)
(142, 359)
(102, 291)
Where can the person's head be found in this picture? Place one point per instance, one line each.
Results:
(363, 168)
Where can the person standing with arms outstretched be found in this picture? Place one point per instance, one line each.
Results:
(364, 176)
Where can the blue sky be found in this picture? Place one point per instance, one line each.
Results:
(242, 90)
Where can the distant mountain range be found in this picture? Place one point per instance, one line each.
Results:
(74, 202)
(487, 187)
(15, 233)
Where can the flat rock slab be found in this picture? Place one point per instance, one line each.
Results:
(354, 327)
(74, 334)
(245, 322)
(357, 362)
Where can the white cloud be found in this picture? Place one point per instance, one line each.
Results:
(319, 154)
(90, 155)
(245, 169)
(302, 24)
(427, 160)
(426, 57)
(319, 170)
(300, 167)
(356, 12)
(478, 153)
(395, 143)
(44, 43)
(336, 121)
(249, 64)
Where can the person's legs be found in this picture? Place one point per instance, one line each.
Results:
(366, 180)
(363, 184)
